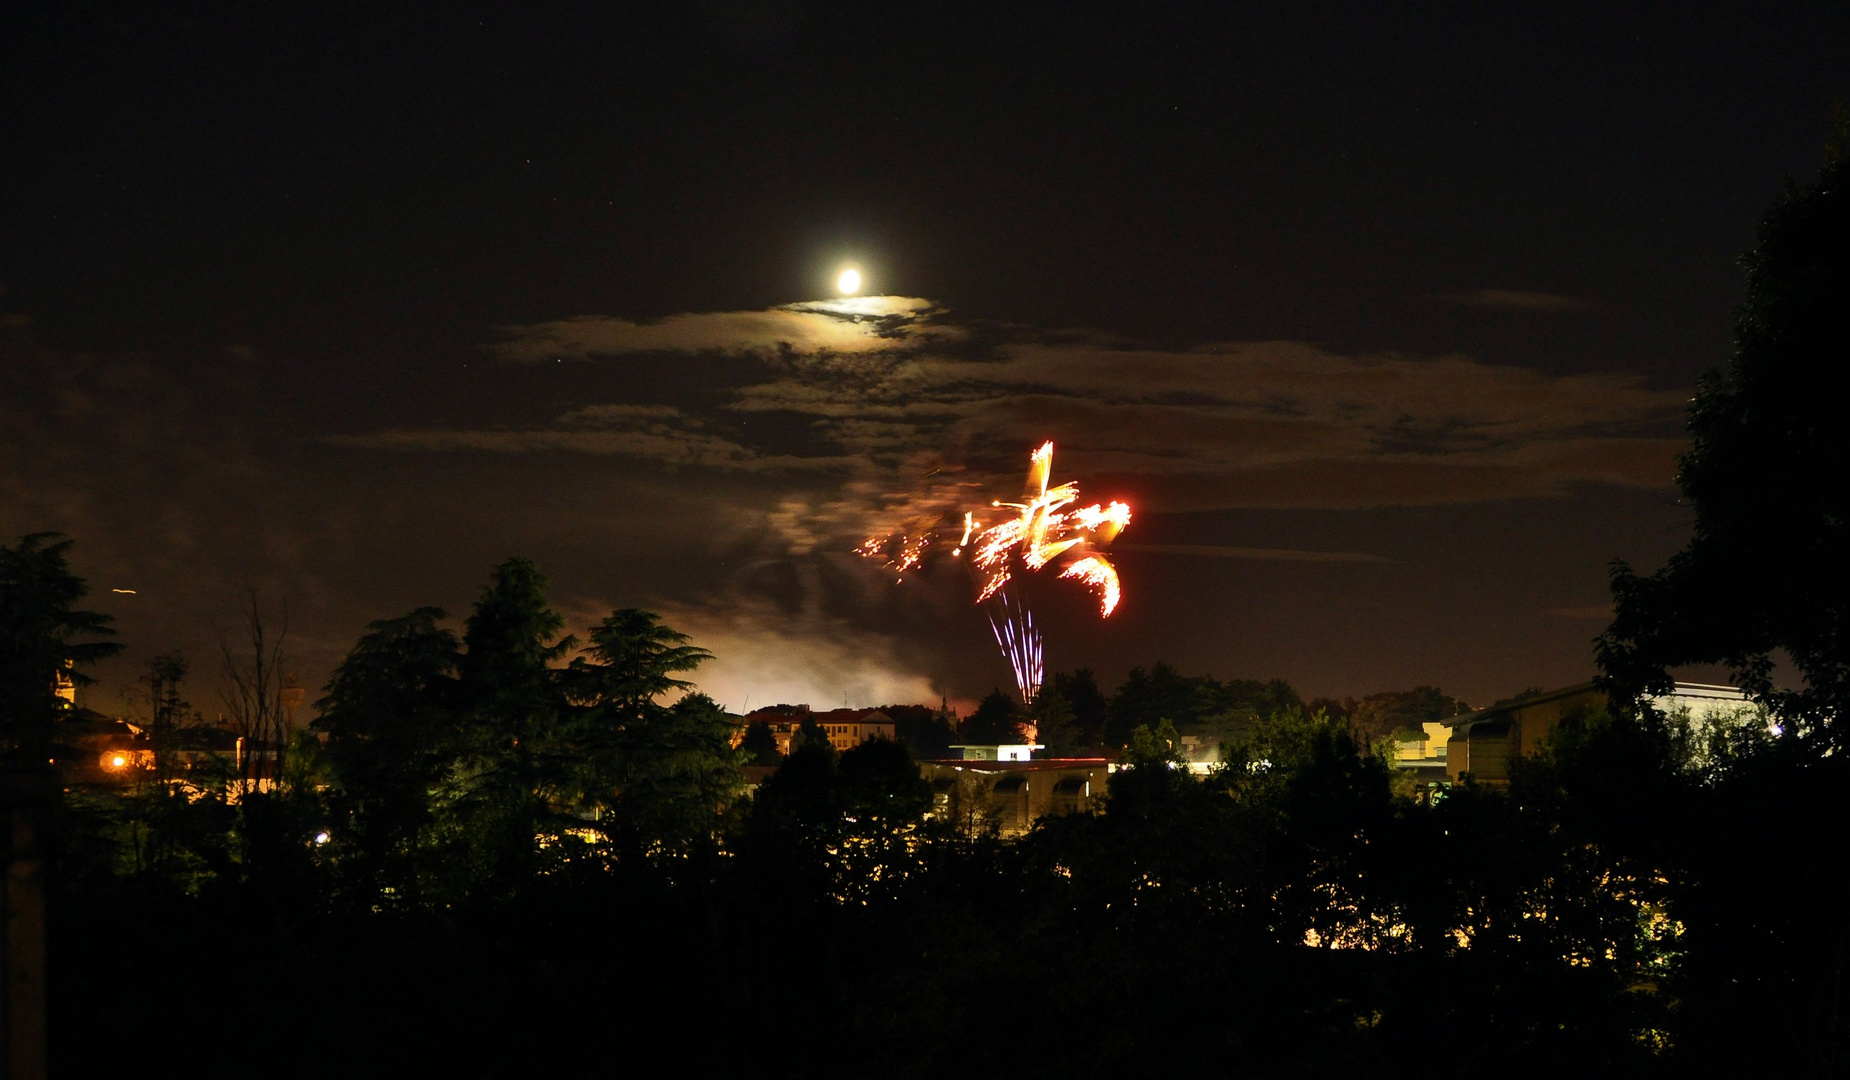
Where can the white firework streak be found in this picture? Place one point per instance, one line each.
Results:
(1020, 643)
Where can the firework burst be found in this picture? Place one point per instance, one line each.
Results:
(1008, 539)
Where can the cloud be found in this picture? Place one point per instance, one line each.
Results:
(1219, 551)
(882, 411)
(852, 324)
(178, 491)
(656, 433)
(1519, 300)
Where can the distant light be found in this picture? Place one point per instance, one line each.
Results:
(117, 761)
(125, 592)
(1777, 730)
(322, 837)
(849, 282)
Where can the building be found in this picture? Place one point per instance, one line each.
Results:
(998, 752)
(1008, 789)
(1483, 743)
(94, 749)
(846, 728)
(64, 686)
(1423, 756)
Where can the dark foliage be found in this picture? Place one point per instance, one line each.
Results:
(1763, 573)
(39, 628)
(1091, 708)
(390, 718)
(997, 719)
(759, 745)
(1380, 716)
(928, 731)
(1196, 705)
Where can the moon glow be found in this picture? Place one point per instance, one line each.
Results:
(849, 282)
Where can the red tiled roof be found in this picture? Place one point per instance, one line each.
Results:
(833, 716)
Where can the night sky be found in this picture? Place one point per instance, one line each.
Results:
(1383, 321)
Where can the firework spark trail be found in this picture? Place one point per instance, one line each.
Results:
(1099, 574)
(1040, 531)
(1020, 643)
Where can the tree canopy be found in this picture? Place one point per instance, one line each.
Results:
(1763, 572)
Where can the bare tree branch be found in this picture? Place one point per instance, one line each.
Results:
(253, 694)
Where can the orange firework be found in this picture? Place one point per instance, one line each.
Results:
(1042, 530)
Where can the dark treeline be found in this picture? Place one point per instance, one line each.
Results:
(501, 853)
(494, 860)
(1073, 716)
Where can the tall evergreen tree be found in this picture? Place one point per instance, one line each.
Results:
(514, 767)
(390, 716)
(39, 625)
(680, 771)
(510, 647)
(664, 772)
(632, 660)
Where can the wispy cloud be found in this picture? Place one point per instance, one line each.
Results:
(656, 433)
(854, 324)
(885, 409)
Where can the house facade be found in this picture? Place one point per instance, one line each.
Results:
(1007, 789)
(846, 728)
(1483, 744)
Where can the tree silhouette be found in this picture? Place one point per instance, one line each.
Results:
(679, 772)
(253, 694)
(1055, 725)
(1089, 704)
(759, 744)
(1763, 572)
(390, 715)
(166, 709)
(38, 625)
(513, 765)
(997, 720)
(663, 772)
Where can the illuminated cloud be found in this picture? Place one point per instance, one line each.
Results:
(754, 481)
(913, 417)
(849, 324)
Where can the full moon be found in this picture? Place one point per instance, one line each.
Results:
(849, 283)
